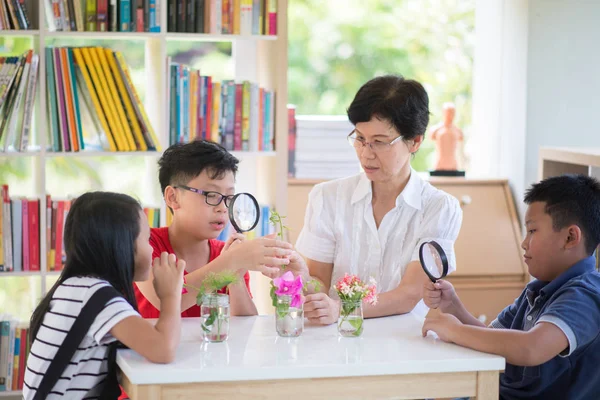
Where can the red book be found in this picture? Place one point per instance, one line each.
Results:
(48, 230)
(139, 21)
(34, 235)
(261, 119)
(237, 127)
(60, 212)
(102, 15)
(22, 357)
(209, 107)
(199, 99)
(25, 234)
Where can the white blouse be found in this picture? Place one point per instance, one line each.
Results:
(339, 228)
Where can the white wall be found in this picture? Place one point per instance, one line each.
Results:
(563, 85)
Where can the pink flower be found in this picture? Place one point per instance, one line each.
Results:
(288, 285)
(296, 301)
(350, 287)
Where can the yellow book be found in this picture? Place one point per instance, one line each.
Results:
(140, 106)
(150, 215)
(193, 104)
(216, 115)
(15, 366)
(169, 217)
(246, 115)
(140, 143)
(103, 95)
(126, 129)
(237, 16)
(90, 86)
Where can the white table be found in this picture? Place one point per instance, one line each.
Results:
(390, 360)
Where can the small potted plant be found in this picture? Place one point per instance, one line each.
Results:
(214, 306)
(286, 293)
(352, 293)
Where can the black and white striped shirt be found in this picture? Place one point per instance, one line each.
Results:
(84, 376)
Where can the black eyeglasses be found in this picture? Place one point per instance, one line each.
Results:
(211, 198)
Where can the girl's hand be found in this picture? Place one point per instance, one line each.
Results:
(168, 275)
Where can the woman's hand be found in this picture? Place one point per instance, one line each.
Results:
(168, 275)
(297, 266)
(321, 309)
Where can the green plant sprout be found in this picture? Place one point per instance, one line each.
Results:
(210, 285)
(282, 309)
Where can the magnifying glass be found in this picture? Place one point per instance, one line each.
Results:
(433, 260)
(244, 212)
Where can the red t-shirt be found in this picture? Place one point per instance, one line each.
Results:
(159, 240)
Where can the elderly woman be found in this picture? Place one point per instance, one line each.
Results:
(372, 224)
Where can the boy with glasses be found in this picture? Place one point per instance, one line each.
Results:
(197, 180)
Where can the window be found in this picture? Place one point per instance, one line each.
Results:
(338, 45)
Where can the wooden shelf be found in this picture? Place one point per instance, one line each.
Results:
(103, 154)
(24, 32)
(13, 393)
(16, 154)
(555, 161)
(152, 35)
(214, 37)
(103, 35)
(20, 273)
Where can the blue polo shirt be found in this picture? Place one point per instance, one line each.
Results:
(572, 303)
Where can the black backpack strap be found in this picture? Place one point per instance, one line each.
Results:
(74, 337)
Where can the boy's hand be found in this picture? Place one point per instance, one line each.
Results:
(233, 239)
(439, 295)
(321, 309)
(168, 275)
(444, 325)
(262, 255)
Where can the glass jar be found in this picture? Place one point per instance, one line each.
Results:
(214, 317)
(350, 322)
(289, 321)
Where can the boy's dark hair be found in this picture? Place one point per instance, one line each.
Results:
(403, 102)
(571, 199)
(181, 163)
(99, 238)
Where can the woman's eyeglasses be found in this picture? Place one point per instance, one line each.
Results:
(377, 146)
(211, 198)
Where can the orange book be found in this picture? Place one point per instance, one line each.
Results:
(69, 106)
(34, 234)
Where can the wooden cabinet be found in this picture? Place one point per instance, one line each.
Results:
(490, 269)
(555, 161)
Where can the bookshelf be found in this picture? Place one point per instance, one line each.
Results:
(258, 58)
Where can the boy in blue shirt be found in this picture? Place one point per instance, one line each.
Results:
(550, 334)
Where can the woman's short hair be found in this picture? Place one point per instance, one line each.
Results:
(402, 102)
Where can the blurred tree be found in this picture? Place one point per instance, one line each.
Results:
(338, 45)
